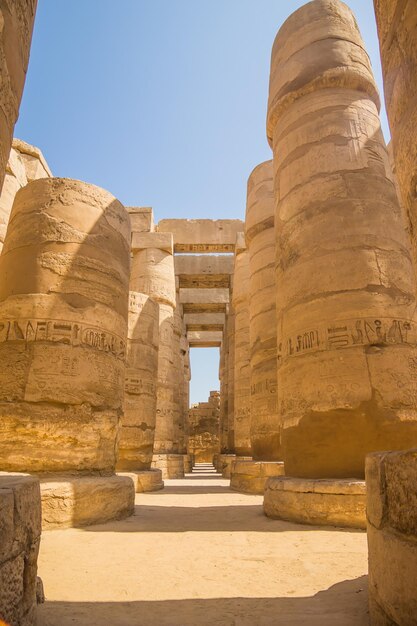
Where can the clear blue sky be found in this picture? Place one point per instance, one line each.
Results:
(162, 102)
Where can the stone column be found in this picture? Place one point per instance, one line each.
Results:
(137, 431)
(397, 34)
(224, 404)
(64, 274)
(242, 360)
(250, 476)
(204, 429)
(228, 454)
(153, 274)
(346, 285)
(16, 25)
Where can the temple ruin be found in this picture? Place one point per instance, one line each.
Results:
(310, 301)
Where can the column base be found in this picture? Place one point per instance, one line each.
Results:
(325, 501)
(76, 501)
(188, 463)
(145, 480)
(227, 463)
(221, 459)
(216, 461)
(171, 465)
(251, 476)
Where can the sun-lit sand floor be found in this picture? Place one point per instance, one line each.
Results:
(198, 553)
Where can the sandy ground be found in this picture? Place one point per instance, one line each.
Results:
(198, 554)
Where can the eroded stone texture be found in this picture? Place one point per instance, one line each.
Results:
(397, 31)
(230, 329)
(251, 476)
(16, 24)
(20, 532)
(153, 274)
(202, 235)
(224, 394)
(242, 444)
(137, 433)
(64, 274)
(25, 163)
(260, 239)
(346, 384)
(203, 440)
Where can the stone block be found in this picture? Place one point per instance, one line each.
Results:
(141, 219)
(145, 481)
(322, 502)
(202, 235)
(171, 465)
(251, 476)
(77, 501)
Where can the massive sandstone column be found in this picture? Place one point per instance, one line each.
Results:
(64, 274)
(397, 31)
(345, 312)
(241, 347)
(137, 431)
(224, 460)
(16, 25)
(153, 274)
(250, 476)
(224, 399)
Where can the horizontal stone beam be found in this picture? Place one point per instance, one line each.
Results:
(204, 300)
(204, 271)
(206, 236)
(204, 339)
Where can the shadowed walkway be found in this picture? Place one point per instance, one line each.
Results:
(198, 553)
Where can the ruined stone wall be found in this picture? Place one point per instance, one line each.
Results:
(391, 479)
(203, 440)
(347, 293)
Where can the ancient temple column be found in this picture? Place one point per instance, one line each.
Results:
(153, 274)
(397, 32)
(265, 436)
(242, 356)
(64, 274)
(16, 25)
(224, 461)
(345, 280)
(224, 404)
(137, 431)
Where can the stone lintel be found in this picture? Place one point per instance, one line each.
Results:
(161, 241)
(205, 236)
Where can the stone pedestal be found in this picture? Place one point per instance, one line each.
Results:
(77, 501)
(146, 480)
(346, 302)
(251, 476)
(322, 502)
(240, 299)
(20, 532)
(64, 274)
(188, 463)
(265, 430)
(391, 482)
(228, 461)
(223, 460)
(171, 465)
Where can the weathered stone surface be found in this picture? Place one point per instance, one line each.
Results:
(346, 287)
(327, 502)
(205, 338)
(64, 276)
(397, 31)
(171, 465)
(25, 163)
(146, 480)
(76, 501)
(204, 300)
(16, 24)
(391, 479)
(203, 271)
(141, 219)
(226, 463)
(137, 433)
(153, 274)
(203, 420)
(202, 235)
(251, 476)
(205, 321)
(230, 381)
(20, 531)
(242, 444)
(224, 395)
(265, 433)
